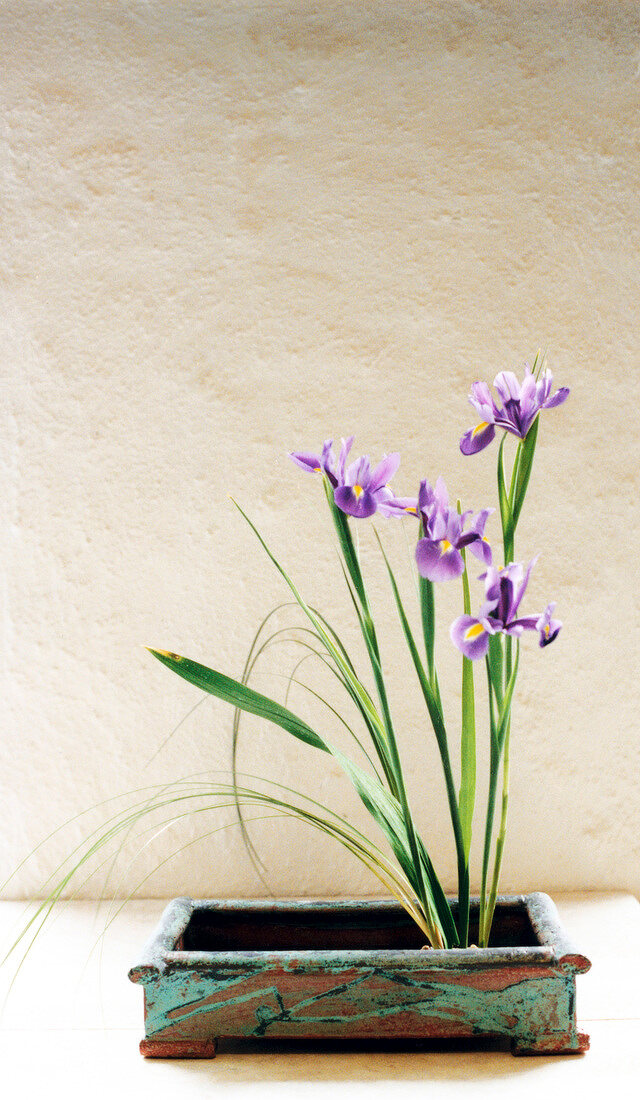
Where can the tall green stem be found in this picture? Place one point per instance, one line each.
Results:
(352, 563)
(488, 829)
(434, 707)
(502, 833)
(500, 727)
(511, 504)
(467, 770)
(431, 693)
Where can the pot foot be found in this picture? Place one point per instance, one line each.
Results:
(550, 1044)
(181, 1048)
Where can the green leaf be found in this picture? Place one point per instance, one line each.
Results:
(394, 769)
(239, 695)
(495, 664)
(391, 764)
(326, 636)
(282, 636)
(428, 617)
(441, 905)
(527, 453)
(504, 712)
(341, 524)
(382, 805)
(336, 651)
(506, 517)
(433, 707)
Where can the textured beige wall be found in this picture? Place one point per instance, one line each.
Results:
(233, 229)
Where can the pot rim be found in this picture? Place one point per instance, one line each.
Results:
(159, 955)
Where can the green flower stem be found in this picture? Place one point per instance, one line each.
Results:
(520, 475)
(502, 832)
(499, 745)
(485, 926)
(511, 503)
(434, 708)
(431, 691)
(467, 794)
(500, 672)
(352, 564)
(461, 853)
(428, 616)
(522, 471)
(486, 854)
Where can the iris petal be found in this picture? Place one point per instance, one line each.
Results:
(481, 549)
(558, 398)
(360, 506)
(310, 463)
(470, 637)
(474, 441)
(384, 471)
(436, 566)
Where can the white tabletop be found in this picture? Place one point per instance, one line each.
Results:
(72, 1021)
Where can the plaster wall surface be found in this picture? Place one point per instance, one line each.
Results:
(232, 230)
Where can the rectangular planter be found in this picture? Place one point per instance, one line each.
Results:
(354, 970)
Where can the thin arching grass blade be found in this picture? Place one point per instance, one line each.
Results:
(252, 657)
(382, 806)
(334, 649)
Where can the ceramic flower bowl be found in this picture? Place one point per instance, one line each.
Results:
(354, 970)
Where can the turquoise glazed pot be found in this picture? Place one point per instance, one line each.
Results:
(354, 970)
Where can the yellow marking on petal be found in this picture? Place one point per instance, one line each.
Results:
(317, 469)
(485, 539)
(358, 490)
(446, 545)
(414, 511)
(547, 628)
(473, 632)
(480, 428)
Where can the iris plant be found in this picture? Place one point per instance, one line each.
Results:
(448, 540)
(445, 537)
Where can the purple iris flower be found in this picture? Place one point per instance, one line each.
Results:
(427, 499)
(504, 589)
(438, 552)
(521, 403)
(548, 627)
(325, 462)
(358, 490)
(363, 491)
